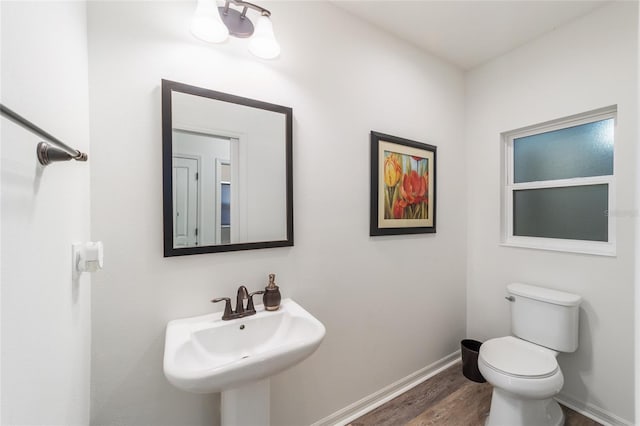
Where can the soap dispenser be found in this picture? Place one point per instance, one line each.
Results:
(272, 297)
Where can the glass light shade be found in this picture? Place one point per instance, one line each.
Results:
(207, 24)
(263, 43)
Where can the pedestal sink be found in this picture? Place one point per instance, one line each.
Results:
(205, 354)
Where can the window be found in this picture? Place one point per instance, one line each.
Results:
(558, 184)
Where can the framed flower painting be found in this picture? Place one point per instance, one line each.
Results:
(403, 186)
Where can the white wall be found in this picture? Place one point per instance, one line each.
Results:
(391, 305)
(588, 64)
(637, 258)
(45, 316)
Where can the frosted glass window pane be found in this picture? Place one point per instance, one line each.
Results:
(579, 151)
(225, 237)
(225, 201)
(573, 213)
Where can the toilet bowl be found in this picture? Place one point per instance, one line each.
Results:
(525, 377)
(522, 368)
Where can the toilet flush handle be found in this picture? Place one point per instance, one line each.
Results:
(510, 298)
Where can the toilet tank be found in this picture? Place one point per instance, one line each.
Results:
(544, 316)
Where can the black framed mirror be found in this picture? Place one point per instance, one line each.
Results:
(227, 172)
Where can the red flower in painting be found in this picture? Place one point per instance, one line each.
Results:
(413, 187)
(398, 208)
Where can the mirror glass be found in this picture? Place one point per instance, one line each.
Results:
(226, 172)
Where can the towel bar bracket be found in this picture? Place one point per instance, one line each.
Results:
(48, 154)
(51, 151)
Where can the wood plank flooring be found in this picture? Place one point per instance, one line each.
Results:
(447, 399)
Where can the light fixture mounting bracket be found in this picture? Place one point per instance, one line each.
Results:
(237, 22)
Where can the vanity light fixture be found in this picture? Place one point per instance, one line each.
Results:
(214, 24)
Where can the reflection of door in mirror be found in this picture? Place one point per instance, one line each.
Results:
(218, 164)
(185, 201)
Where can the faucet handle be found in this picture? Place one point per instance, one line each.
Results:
(227, 306)
(250, 303)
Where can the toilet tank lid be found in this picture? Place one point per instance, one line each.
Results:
(544, 294)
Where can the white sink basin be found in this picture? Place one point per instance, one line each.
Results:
(205, 354)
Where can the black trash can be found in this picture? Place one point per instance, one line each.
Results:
(470, 349)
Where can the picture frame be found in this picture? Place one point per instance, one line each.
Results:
(403, 186)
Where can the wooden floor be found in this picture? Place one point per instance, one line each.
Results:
(448, 398)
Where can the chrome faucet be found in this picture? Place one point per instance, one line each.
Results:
(240, 311)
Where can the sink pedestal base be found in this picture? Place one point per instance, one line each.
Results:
(246, 405)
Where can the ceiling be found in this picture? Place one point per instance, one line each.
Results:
(468, 33)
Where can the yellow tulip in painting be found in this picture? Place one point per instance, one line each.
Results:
(392, 170)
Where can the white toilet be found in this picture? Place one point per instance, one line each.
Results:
(522, 368)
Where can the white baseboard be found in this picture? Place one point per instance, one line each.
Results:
(594, 413)
(386, 394)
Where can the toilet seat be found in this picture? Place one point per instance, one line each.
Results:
(518, 358)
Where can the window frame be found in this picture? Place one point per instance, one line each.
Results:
(601, 248)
